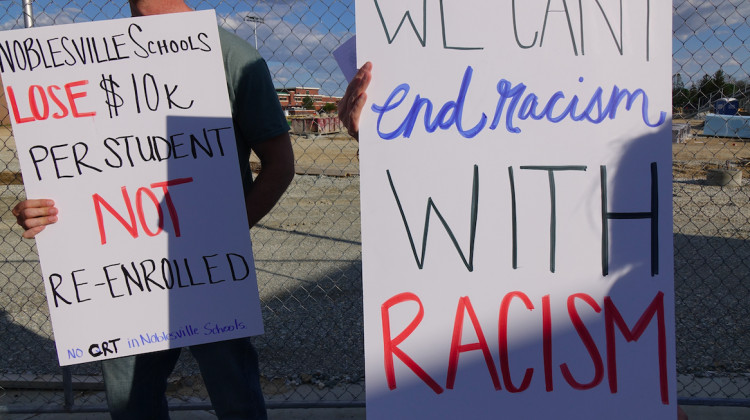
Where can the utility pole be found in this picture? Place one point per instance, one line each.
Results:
(256, 20)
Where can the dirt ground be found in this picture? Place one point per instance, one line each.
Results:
(699, 153)
(308, 258)
(336, 155)
(330, 155)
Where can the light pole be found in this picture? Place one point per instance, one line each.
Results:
(256, 20)
(28, 13)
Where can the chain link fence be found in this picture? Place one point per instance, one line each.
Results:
(711, 61)
(308, 249)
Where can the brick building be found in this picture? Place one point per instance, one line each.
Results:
(292, 99)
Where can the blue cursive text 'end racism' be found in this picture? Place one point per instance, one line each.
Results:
(514, 101)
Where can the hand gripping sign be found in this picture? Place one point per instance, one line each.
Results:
(126, 124)
(516, 210)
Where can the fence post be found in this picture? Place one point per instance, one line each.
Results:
(67, 388)
(28, 13)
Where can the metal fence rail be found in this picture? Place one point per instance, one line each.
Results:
(308, 251)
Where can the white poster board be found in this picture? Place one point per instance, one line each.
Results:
(516, 209)
(126, 125)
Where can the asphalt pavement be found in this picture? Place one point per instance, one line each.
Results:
(276, 414)
(694, 413)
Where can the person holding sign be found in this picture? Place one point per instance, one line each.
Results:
(136, 385)
(351, 107)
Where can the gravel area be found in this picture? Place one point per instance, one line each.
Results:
(712, 269)
(308, 258)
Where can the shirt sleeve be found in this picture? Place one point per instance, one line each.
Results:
(256, 109)
(256, 112)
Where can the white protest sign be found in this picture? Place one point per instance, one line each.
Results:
(516, 209)
(126, 124)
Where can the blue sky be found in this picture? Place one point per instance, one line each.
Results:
(709, 35)
(296, 39)
(298, 35)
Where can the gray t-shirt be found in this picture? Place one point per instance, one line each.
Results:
(256, 111)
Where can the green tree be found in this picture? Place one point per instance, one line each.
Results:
(742, 85)
(329, 107)
(677, 82)
(720, 79)
(680, 94)
(712, 88)
(308, 103)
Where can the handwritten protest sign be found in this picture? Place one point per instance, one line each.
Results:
(516, 209)
(126, 124)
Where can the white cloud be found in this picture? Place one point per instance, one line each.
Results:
(298, 36)
(696, 17)
(297, 40)
(710, 35)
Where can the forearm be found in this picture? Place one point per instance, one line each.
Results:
(264, 195)
(277, 172)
